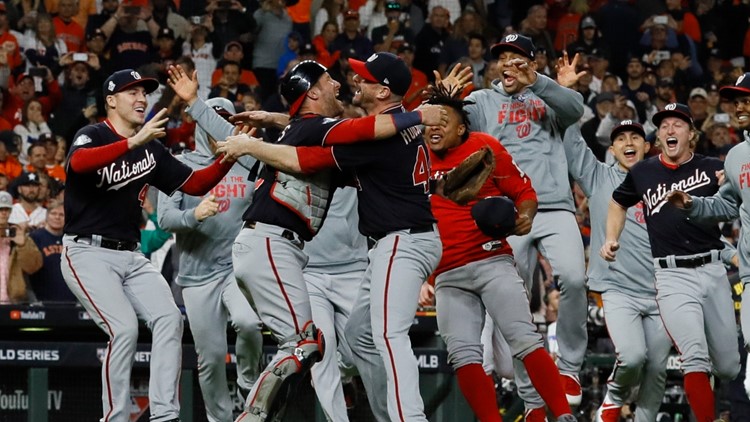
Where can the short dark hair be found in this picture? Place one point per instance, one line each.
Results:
(233, 63)
(452, 98)
(475, 35)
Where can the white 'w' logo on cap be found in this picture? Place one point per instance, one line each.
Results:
(670, 106)
(739, 80)
(626, 122)
(511, 37)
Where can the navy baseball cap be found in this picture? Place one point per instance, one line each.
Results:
(165, 32)
(123, 79)
(627, 125)
(27, 178)
(516, 43)
(495, 216)
(221, 106)
(681, 111)
(386, 69)
(741, 88)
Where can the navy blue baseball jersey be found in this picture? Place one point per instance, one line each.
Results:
(392, 177)
(108, 201)
(670, 231)
(305, 130)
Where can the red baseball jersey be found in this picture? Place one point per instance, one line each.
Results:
(463, 242)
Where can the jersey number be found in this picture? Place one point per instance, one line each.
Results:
(142, 194)
(421, 174)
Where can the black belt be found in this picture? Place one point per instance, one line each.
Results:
(286, 234)
(696, 261)
(413, 230)
(114, 244)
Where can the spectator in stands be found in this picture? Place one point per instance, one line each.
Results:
(291, 52)
(10, 54)
(599, 63)
(274, 24)
(351, 41)
(476, 54)
(27, 210)
(251, 102)
(229, 85)
(41, 46)
(300, 14)
(96, 41)
(10, 167)
(664, 93)
(718, 136)
(323, 43)
(429, 43)
(18, 255)
(4, 123)
(25, 90)
(22, 15)
(51, 166)
(389, 36)
(698, 104)
(230, 25)
(686, 21)
(452, 8)
(166, 49)
(199, 47)
(70, 31)
(164, 17)
(96, 21)
(372, 15)
(569, 26)
(330, 11)
(419, 82)
(457, 45)
(713, 98)
(635, 89)
(83, 9)
(47, 282)
(234, 52)
(619, 22)
(130, 33)
(588, 38)
(412, 15)
(32, 125)
(535, 27)
(81, 95)
(602, 105)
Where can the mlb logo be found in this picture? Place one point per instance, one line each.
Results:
(15, 314)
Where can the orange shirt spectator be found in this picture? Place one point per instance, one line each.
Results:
(567, 30)
(247, 77)
(55, 171)
(70, 32)
(85, 8)
(9, 164)
(323, 40)
(413, 97)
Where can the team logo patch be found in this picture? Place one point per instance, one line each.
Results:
(386, 81)
(372, 58)
(111, 86)
(511, 37)
(670, 106)
(626, 122)
(740, 79)
(82, 140)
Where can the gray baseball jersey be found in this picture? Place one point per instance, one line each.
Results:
(530, 125)
(338, 259)
(212, 296)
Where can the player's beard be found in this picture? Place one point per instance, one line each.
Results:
(28, 198)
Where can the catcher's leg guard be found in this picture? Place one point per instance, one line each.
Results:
(276, 384)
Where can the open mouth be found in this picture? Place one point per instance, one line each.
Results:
(435, 138)
(671, 142)
(629, 153)
(140, 110)
(743, 117)
(508, 78)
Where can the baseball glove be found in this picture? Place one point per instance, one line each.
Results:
(462, 184)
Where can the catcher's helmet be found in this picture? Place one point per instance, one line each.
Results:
(298, 81)
(495, 216)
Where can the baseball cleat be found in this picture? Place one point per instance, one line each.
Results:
(572, 387)
(608, 411)
(535, 415)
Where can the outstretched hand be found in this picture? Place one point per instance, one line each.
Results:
(680, 199)
(154, 128)
(566, 70)
(235, 147)
(184, 86)
(456, 79)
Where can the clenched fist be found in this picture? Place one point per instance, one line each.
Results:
(207, 208)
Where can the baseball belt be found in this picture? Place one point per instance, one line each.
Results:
(693, 261)
(104, 242)
(285, 233)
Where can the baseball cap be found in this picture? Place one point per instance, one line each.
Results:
(588, 22)
(46, 137)
(712, 87)
(386, 69)
(516, 43)
(95, 33)
(23, 76)
(307, 48)
(27, 178)
(6, 201)
(351, 14)
(698, 92)
(740, 88)
(604, 96)
(166, 32)
(405, 47)
(495, 216)
(231, 44)
(627, 125)
(221, 106)
(681, 111)
(126, 78)
(665, 82)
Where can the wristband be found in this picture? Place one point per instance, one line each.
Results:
(406, 120)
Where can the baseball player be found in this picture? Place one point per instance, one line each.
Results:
(205, 230)
(528, 113)
(627, 285)
(392, 177)
(732, 199)
(691, 282)
(286, 212)
(110, 167)
(477, 272)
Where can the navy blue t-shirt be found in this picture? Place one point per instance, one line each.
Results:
(670, 231)
(392, 177)
(48, 283)
(108, 201)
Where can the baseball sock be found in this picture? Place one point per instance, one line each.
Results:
(546, 379)
(479, 390)
(700, 396)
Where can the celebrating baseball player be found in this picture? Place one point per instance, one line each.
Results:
(110, 167)
(288, 210)
(392, 176)
(477, 270)
(691, 282)
(528, 113)
(626, 285)
(734, 194)
(205, 230)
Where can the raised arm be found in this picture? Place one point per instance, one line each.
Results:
(583, 166)
(722, 206)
